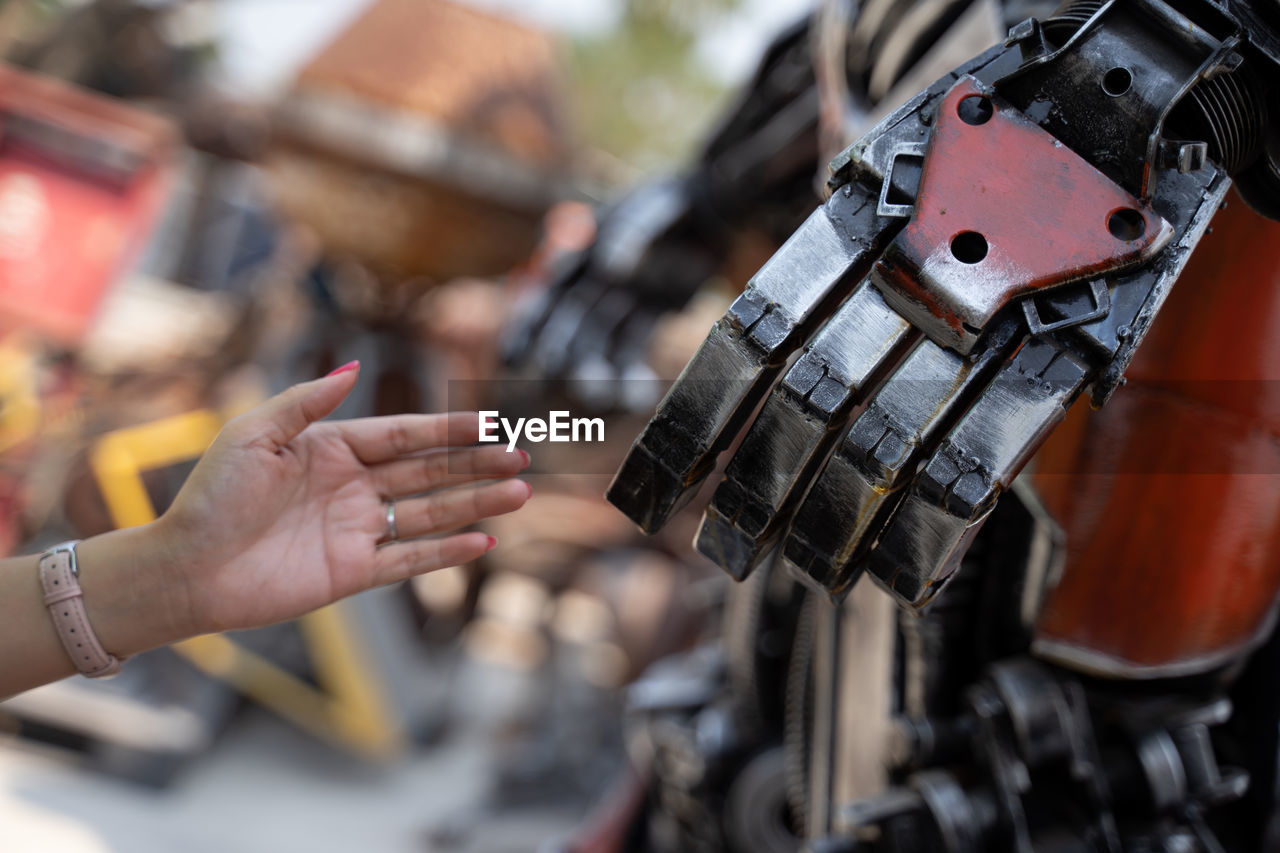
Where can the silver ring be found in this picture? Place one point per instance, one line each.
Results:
(391, 522)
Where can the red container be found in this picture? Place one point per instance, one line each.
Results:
(82, 178)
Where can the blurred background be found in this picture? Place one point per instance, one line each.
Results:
(204, 201)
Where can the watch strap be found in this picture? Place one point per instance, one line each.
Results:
(59, 578)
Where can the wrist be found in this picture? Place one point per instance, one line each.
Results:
(135, 591)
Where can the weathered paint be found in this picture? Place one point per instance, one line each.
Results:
(1170, 495)
(1042, 209)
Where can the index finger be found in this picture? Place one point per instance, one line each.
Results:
(383, 439)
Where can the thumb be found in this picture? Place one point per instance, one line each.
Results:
(288, 413)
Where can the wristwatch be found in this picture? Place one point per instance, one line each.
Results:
(59, 577)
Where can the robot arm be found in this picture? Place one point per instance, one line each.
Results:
(992, 250)
(656, 246)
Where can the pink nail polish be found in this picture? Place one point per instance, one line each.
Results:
(350, 365)
(524, 458)
(493, 543)
(529, 488)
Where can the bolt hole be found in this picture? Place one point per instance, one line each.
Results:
(975, 109)
(1117, 81)
(969, 247)
(1126, 224)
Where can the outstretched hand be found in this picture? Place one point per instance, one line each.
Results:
(284, 514)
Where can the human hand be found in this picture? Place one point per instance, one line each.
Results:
(283, 515)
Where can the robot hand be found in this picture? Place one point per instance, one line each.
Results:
(988, 252)
(594, 319)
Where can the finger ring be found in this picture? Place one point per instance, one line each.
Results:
(391, 522)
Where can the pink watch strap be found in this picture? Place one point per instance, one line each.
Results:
(59, 577)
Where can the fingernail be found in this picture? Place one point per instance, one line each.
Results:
(524, 458)
(529, 488)
(493, 543)
(350, 365)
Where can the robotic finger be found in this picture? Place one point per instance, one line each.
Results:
(947, 502)
(744, 353)
(877, 457)
(797, 426)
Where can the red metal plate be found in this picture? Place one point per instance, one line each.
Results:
(1004, 209)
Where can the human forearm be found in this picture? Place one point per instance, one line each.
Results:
(127, 598)
(281, 516)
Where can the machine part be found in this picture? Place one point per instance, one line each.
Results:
(1138, 297)
(1229, 110)
(718, 778)
(838, 730)
(1101, 307)
(757, 817)
(876, 458)
(1226, 112)
(1053, 766)
(759, 631)
(1031, 758)
(961, 259)
(908, 152)
(977, 461)
(824, 745)
(1129, 240)
(577, 325)
(795, 430)
(1125, 69)
(744, 354)
(798, 736)
(1259, 185)
(1190, 440)
(1068, 18)
(961, 821)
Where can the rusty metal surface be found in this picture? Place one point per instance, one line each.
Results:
(1004, 209)
(1177, 480)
